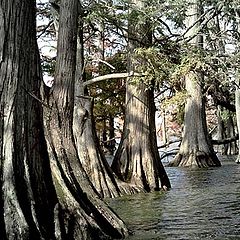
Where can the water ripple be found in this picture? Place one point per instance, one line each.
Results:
(202, 204)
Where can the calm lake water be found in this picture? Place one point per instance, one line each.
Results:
(202, 204)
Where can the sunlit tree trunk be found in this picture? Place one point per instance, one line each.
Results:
(196, 149)
(27, 198)
(137, 159)
(86, 216)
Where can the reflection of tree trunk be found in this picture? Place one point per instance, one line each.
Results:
(27, 197)
(85, 215)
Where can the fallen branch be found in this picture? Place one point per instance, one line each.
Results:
(168, 143)
(225, 141)
(170, 153)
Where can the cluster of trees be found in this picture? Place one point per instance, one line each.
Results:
(54, 174)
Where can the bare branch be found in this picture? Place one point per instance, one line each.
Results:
(225, 141)
(112, 76)
(44, 29)
(100, 60)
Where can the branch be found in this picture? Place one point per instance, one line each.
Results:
(111, 76)
(166, 154)
(100, 60)
(168, 143)
(212, 13)
(44, 29)
(35, 97)
(225, 141)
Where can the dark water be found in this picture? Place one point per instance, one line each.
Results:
(202, 204)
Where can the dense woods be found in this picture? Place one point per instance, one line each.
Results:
(91, 91)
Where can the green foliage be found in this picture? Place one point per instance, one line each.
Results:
(177, 102)
(168, 60)
(155, 66)
(192, 59)
(226, 114)
(175, 11)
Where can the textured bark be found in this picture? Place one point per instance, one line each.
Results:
(220, 128)
(137, 159)
(87, 144)
(237, 105)
(196, 149)
(86, 216)
(28, 198)
(230, 148)
(91, 156)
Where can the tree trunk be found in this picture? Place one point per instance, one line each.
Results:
(87, 143)
(28, 197)
(237, 104)
(230, 132)
(86, 215)
(220, 128)
(111, 141)
(196, 149)
(137, 160)
(90, 153)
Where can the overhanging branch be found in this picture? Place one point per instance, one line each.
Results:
(111, 76)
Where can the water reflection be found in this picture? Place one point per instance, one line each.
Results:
(202, 204)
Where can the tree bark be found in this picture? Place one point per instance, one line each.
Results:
(87, 143)
(137, 159)
(237, 105)
(196, 149)
(28, 198)
(86, 216)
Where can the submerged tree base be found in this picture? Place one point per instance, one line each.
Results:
(198, 160)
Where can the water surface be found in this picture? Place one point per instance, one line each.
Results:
(202, 204)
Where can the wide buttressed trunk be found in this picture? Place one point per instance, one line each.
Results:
(137, 159)
(28, 198)
(196, 148)
(86, 216)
